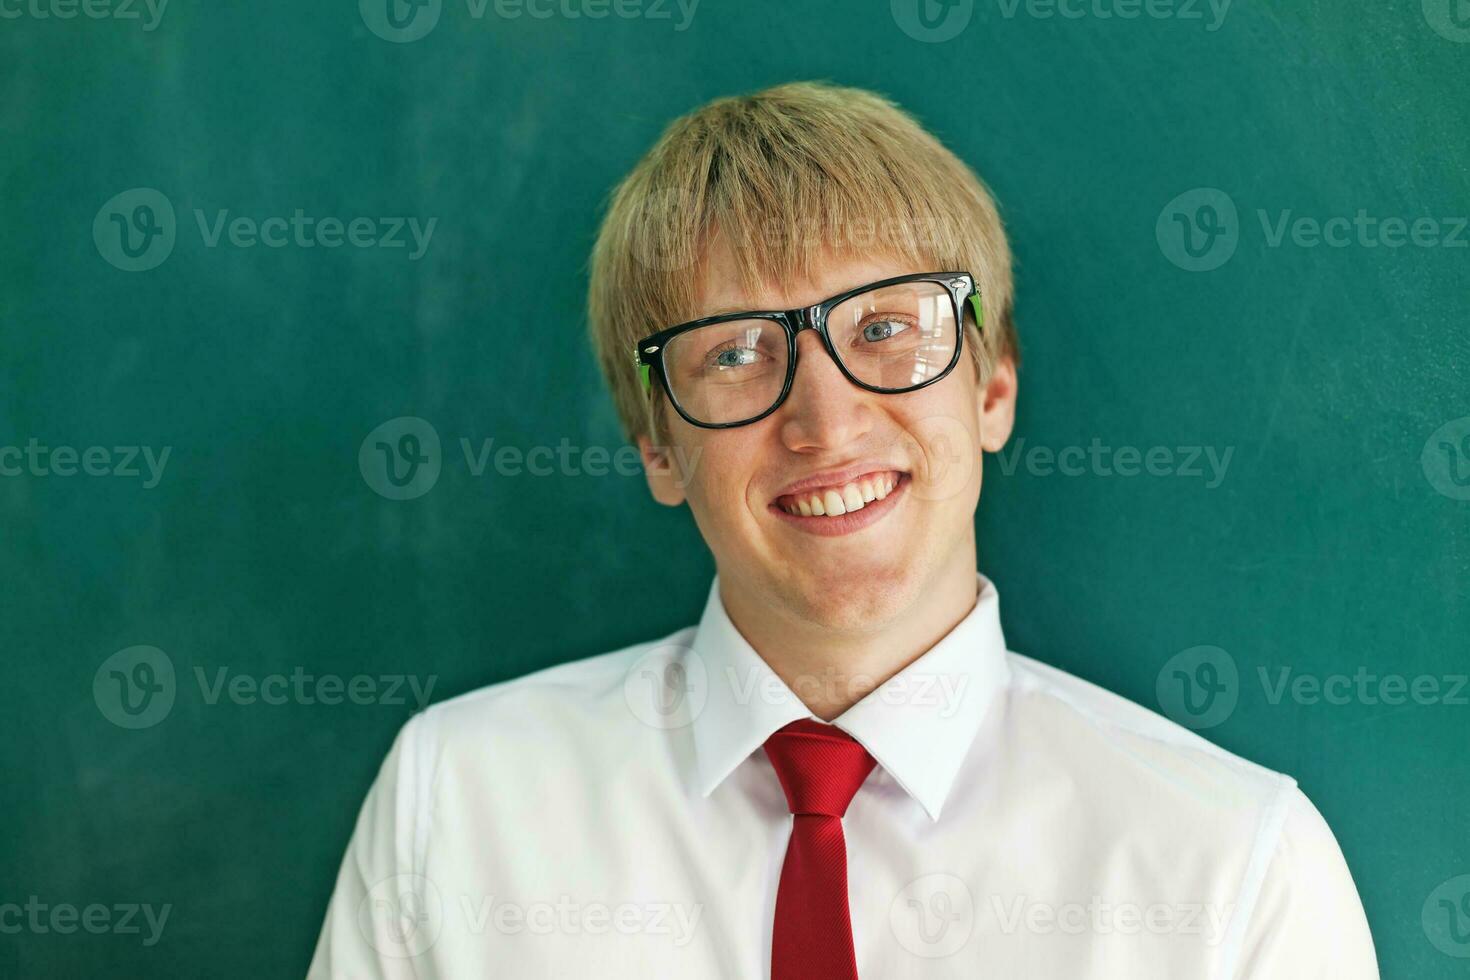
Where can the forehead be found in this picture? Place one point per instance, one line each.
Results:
(723, 284)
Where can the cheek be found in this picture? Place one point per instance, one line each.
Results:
(946, 459)
(720, 482)
(942, 430)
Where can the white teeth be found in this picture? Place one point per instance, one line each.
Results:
(836, 501)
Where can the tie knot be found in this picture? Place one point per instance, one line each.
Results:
(820, 766)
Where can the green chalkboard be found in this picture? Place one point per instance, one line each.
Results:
(241, 245)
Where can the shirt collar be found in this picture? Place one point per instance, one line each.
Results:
(919, 724)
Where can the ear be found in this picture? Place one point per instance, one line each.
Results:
(998, 406)
(666, 479)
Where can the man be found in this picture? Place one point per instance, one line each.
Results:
(802, 303)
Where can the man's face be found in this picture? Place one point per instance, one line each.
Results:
(862, 569)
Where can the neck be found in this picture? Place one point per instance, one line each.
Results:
(832, 668)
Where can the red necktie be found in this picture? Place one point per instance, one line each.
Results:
(820, 768)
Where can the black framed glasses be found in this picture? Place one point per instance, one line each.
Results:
(890, 336)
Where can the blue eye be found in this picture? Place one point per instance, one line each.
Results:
(883, 329)
(734, 357)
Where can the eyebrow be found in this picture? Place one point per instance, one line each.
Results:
(728, 309)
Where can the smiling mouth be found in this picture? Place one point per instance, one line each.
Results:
(840, 499)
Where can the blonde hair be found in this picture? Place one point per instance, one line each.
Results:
(784, 176)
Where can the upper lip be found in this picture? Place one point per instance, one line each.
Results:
(837, 477)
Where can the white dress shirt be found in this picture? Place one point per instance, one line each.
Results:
(615, 817)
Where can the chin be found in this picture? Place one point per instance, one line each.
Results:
(855, 596)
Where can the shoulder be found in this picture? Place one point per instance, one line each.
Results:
(1127, 740)
(580, 712)
(1162, 795)
(490, 757)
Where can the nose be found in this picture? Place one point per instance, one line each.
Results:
(824, 410)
